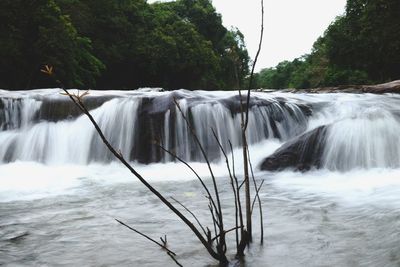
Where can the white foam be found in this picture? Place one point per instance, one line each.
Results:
(31, 180)
(357, 187)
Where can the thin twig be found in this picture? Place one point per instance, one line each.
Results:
(245, 121)
(254, 65)
(239, 250)
(193, 132)
(233, 187)
(258, 198)
(227, 231)
(194, 172)
(191, 213)
(163, 246)
(241, 184)
(246, 180)
(255, 197)
(215, 223)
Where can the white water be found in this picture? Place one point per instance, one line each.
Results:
(47, 142)
(345, 214)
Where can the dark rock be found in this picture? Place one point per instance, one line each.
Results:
(149, 129)
(63, 108)
(301, 153)
(6, 123)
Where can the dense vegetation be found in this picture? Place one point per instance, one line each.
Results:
(108, 44)
(360, 47)
(119, 44)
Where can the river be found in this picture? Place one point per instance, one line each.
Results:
(60, 191)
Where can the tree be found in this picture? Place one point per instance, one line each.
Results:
(234, 59)
(34, 33)
(120, 44)
(360, 47)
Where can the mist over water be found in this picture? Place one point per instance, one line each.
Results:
(60, 190)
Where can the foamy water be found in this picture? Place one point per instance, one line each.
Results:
(58, 203)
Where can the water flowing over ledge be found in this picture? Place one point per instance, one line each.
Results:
(46, 127)
(359, 131)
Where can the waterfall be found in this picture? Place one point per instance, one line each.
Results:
(354, 132)
(136, 123)
(331, 131)
(15, 113)
(369, 139)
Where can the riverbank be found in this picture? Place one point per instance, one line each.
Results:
(390, 87)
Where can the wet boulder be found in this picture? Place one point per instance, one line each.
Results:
(58, 109)
(301, 153)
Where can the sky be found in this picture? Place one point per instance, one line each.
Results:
(290, 26)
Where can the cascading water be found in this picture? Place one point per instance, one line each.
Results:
(347, 132)
(135, 123)
(361, 130)
(367, 140)
(60, 188)
(17, 113)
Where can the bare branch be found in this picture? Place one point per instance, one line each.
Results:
(215, 223)
(244, 124)
(191, 213)
(193, 132)
(233, 187)
(164, 240)
(254, 65)
(246, 180)
(227, 231)
(258, 198)
(194, 172)
(163, 246)
(239, 249)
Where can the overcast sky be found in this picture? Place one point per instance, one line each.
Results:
(291, 26)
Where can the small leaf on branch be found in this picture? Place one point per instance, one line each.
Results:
(47, 70)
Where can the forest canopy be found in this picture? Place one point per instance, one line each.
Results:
(360, 47)
(106, 44)
(127, 44)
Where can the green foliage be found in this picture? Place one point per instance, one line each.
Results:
(35, 33)
(360, 47)
(119, 44)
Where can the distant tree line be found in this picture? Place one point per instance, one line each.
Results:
(360, 47)
(119, 44)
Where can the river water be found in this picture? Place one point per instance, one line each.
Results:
(60, 211)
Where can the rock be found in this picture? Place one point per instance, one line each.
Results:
(391, 87)
(63, 108)
(301, 153)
